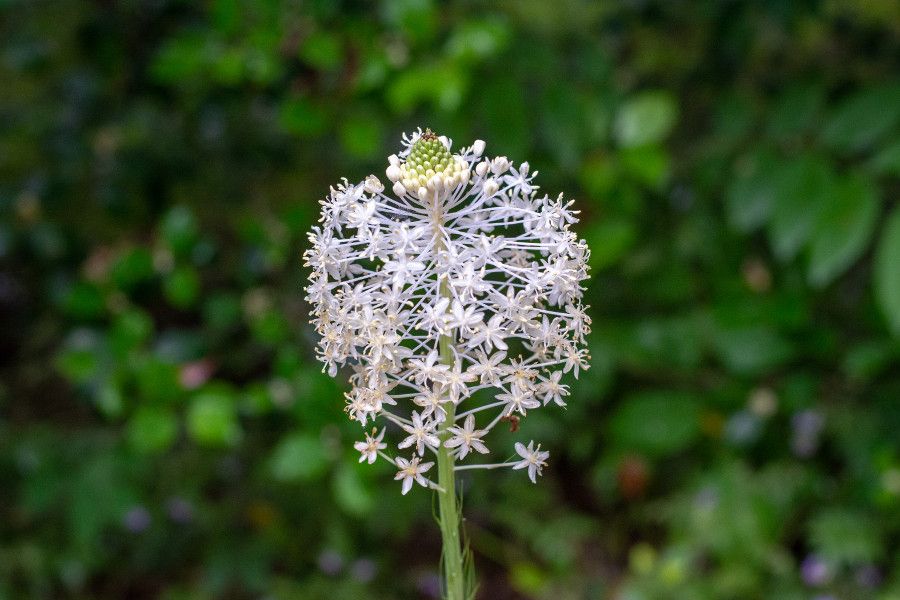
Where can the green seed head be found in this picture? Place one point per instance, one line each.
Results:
(429, 171)
(429, 153)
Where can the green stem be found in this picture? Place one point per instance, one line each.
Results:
(448, 506)
(450, 517)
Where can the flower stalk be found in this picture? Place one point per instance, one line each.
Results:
(449, 515)
(450, 519)
(460, 279)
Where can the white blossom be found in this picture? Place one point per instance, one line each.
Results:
(466, 438)
(420, 435)
(369, 448)
(411, 470)
(551, 389)
(532, 458)
(459, 277)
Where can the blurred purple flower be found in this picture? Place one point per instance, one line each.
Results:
(330, 562)
(815, 571)
(429, 585)
(742, 428)
(363, 570)
(180, 510)
(807, 425)
(869, 576)
(137, 519)
(707, 498)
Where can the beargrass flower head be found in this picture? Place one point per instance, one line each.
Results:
(455, 297)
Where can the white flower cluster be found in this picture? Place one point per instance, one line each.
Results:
(465, 279)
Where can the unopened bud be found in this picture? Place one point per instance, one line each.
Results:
(393, 173)
(481, 168)
(399, 189)
(478, 147)
(500, 165)
(490, 187)
(373, 185)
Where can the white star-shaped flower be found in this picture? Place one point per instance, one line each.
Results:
(464, 317)
(466, 438)
(421, 434)
(410, 471)
(369, 448)
(492, 334)
(532, 458)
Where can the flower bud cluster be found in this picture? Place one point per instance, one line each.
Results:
(429, 168)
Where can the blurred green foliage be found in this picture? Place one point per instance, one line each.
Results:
(165, 433)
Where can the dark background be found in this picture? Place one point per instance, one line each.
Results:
(165, 433)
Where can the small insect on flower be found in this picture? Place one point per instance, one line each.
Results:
(455, 297)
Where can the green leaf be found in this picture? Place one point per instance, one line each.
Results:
(887, 161)
(361, 135)
(866, 360)
(228, 66)
(78, 364)
(322, 50)
(212, 419)
(609, 241)
(152, 429)
(751, 350)
(132, 268)
(157, 380)
(351, 493)
(109, 399)
(417, 19)
(182, 287)
(599, 176)
(527, 578)
(660, 343)
(83, 301)
(864, 118)
(750, 197)
(506, 119)
(303, 117)
(131, 329)
(222, 310)
(478, 40)
(887, 272)
(844, 231)
(312, 396)
(646, 119)
(98, 496)
(846, 537)
(299, 457)
(444, 85)
(734, 117)
(657, 423)
(565, 123)
(647, 164)
(179, 230)
(181, 59)
(801, 192)
(270, 327)
(226, 15)
(796, 110)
